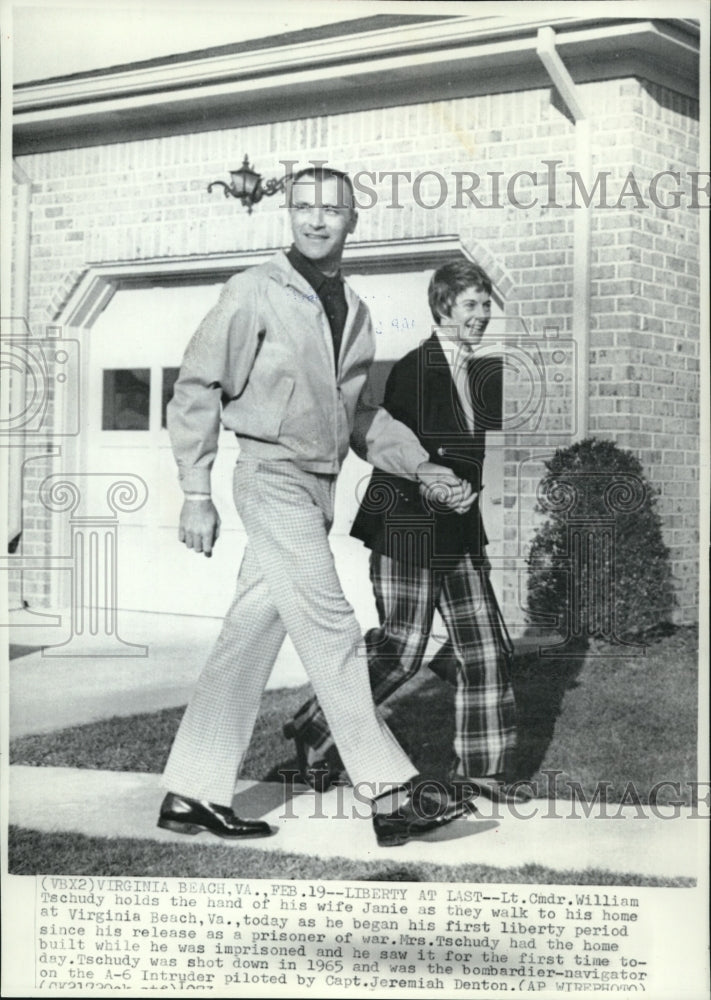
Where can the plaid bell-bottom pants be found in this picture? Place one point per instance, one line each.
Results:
(406, 597)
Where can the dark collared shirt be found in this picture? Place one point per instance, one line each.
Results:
(330, 292)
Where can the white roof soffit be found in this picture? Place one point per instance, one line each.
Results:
(413, 62)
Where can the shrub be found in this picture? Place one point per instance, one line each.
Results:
(599, 563)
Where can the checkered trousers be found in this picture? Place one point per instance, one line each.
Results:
(407, 597)
(287, 583)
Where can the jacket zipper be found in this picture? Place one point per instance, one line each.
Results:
(332, 360)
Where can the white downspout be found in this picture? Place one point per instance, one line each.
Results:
(20, 300)
(21, 285)
(564, 84)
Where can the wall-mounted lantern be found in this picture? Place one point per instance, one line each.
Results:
(248, 186)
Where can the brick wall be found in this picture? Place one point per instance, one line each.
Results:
(147, 199)
(644, 386)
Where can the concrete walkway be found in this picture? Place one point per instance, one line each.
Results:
(118, 804)
(49, 693)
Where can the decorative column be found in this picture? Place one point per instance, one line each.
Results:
(94, 501)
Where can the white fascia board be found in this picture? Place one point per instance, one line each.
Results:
(376, 50)
(274, 81)
(47, 114)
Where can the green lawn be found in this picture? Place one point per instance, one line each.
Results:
(31, 853)
(618, 725)
(628, 722)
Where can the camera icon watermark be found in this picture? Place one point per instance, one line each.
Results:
(505, 379)
(44, 380)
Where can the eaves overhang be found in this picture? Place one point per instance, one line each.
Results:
(356, 69)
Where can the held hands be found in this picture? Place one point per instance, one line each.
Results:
(199, 525)
(442, 487)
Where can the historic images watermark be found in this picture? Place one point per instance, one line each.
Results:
(545, 187)
(546, 799)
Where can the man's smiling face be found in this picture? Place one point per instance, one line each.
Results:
(322, 217)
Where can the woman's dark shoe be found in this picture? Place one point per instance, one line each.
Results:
(292, 733)
(182, 815)
(318, 774)
(425, 806)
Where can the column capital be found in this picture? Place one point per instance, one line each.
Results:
(590, 496)
(89, 495)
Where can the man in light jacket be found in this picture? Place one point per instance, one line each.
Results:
(283, 360)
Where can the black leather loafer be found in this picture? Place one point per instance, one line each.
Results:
(182, 815)
(319, 774)
(426, 806)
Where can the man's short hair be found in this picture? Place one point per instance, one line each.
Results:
(321, 174)
(451, 280)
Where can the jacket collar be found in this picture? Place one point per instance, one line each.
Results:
(441, 390)
(307, 269)
(436, 363)
(280, 268)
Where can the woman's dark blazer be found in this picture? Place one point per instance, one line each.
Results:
(393, 517)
